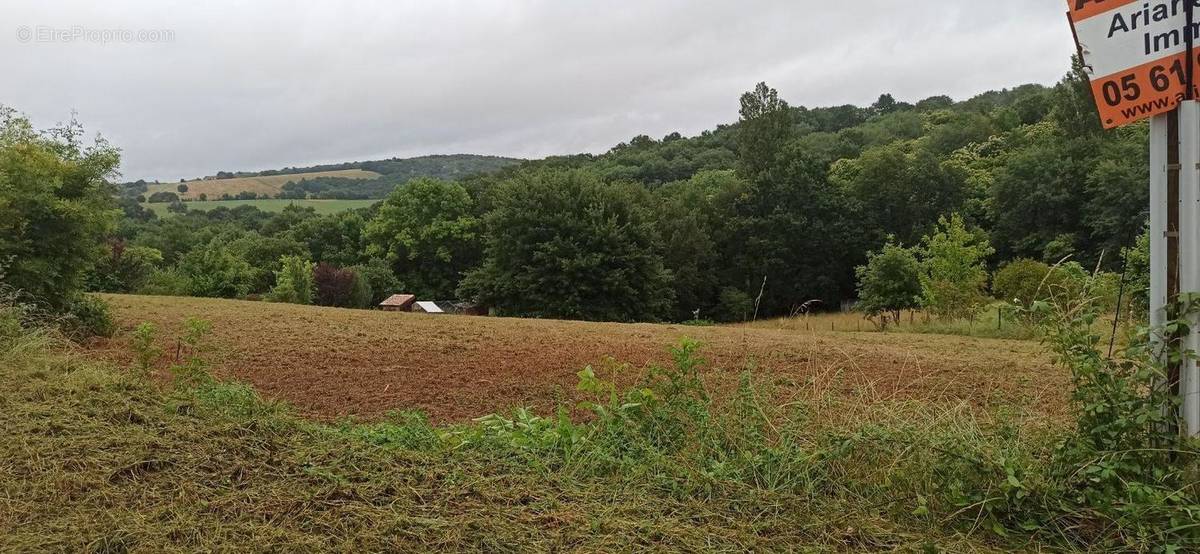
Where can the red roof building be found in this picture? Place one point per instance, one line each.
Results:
(398, 303)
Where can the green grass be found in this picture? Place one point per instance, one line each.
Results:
(98, 458)
(274, 205)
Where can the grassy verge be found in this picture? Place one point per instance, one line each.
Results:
(100, 458)
(989, 324)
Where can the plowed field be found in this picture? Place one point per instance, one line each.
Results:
(331, 362)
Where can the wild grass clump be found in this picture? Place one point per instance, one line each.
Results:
(104, 459)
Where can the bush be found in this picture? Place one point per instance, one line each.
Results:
(56, 208)
(294, 283)
(167, 282)
(87, 316)
(126, 268)
(377, 281)
(1024, 281)
(734, 305)
(163, 197)
(213, 271)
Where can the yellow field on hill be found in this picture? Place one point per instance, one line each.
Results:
(270, 184)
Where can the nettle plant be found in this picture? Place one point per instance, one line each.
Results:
(1125, 463)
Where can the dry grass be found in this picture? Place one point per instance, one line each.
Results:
(99, 460)
(270, 184)
(334, 362)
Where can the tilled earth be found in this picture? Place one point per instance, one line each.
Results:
(330, 362)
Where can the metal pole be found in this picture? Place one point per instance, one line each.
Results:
(1164, 243)
(1189, 257)
(1159, 128)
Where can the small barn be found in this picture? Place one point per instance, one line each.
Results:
(428, 306)
(398, 303)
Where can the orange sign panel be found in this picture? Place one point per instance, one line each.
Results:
(1136, 52)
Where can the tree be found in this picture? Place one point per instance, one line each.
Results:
(427, 231)
(734, 305)
(564, 244)
(954, 130)
(764, 128)
(56, 207)
(182, 188)
(953, 276)
(294, 281)
(377, 281)
(1035, 197)
(901, 188)
(163, 196)
(213, 271)
(1073, 106)
(889, 283)
(688, 218)
(177, 207)
(792, 227)
(338, 239)
(885, 105)
(340, 287)
(125, 269)
(263, 253)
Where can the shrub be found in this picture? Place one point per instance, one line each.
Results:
(1024, 281)
(166, 282)
(55, 208)
(142, 342)
(734, 305)
(1125, 470)
(294, 282)
(213, 271)
(87, 316)
(163, 197)
(126, 268)
(376, 281)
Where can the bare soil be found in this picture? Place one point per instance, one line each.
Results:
(331, 362)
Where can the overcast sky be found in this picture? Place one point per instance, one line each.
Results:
(260, 85)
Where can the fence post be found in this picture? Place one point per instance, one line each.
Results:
(999, 319)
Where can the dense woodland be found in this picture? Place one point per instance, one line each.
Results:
(759, 218)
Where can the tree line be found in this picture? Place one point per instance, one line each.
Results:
(759, 218)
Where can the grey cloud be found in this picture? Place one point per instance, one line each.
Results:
(268, 84)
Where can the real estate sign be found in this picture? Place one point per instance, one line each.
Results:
(1137, 54)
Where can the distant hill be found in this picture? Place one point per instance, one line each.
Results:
(356, 180)
(451, 166)
(260, 185)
